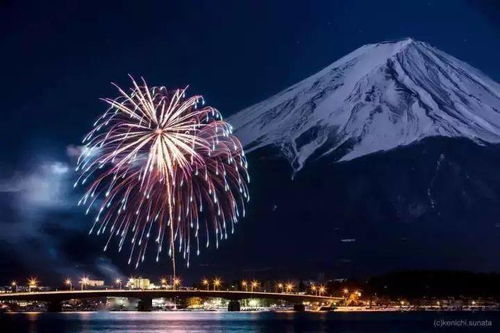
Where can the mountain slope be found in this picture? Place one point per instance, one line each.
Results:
(376, 98)
(429, 205)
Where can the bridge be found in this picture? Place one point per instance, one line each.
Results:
(55, 298)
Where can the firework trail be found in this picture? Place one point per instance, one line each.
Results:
(162, 168)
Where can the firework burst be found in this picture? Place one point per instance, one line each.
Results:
(161, 168)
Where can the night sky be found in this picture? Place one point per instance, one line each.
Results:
(59, 57)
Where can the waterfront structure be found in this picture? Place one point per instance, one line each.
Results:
(55, 299)
(95, 283)
(138, 283)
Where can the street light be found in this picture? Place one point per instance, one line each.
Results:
(289, 287)
(216, 283)
(119, 283)
(313, 288)
(254, 284)
(163, 283)
(69, 284)
(176, 282)
(280, 287)
(84, 281)
(14, 285)
(206, 283)
(321, 290)
(244, 284)
(32, 282)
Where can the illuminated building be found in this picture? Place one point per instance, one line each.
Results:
(138, 283)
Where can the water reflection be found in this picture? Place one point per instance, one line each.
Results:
(104, 322)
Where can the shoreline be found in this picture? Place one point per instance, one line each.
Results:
(219, 311)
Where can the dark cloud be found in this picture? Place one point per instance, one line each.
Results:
(41, 217)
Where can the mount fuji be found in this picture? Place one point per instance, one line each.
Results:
(378, 97)
(395, 160)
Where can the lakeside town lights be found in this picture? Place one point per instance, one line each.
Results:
(248, 286)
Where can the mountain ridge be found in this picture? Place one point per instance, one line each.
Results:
(376, 98)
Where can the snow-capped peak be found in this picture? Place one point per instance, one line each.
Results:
(376, 98)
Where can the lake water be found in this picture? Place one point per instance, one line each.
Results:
(90, 322)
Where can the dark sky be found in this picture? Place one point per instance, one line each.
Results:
(59, 57)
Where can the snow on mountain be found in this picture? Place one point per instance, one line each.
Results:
(376, 98)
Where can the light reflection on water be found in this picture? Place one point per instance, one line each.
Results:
(145, 322)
